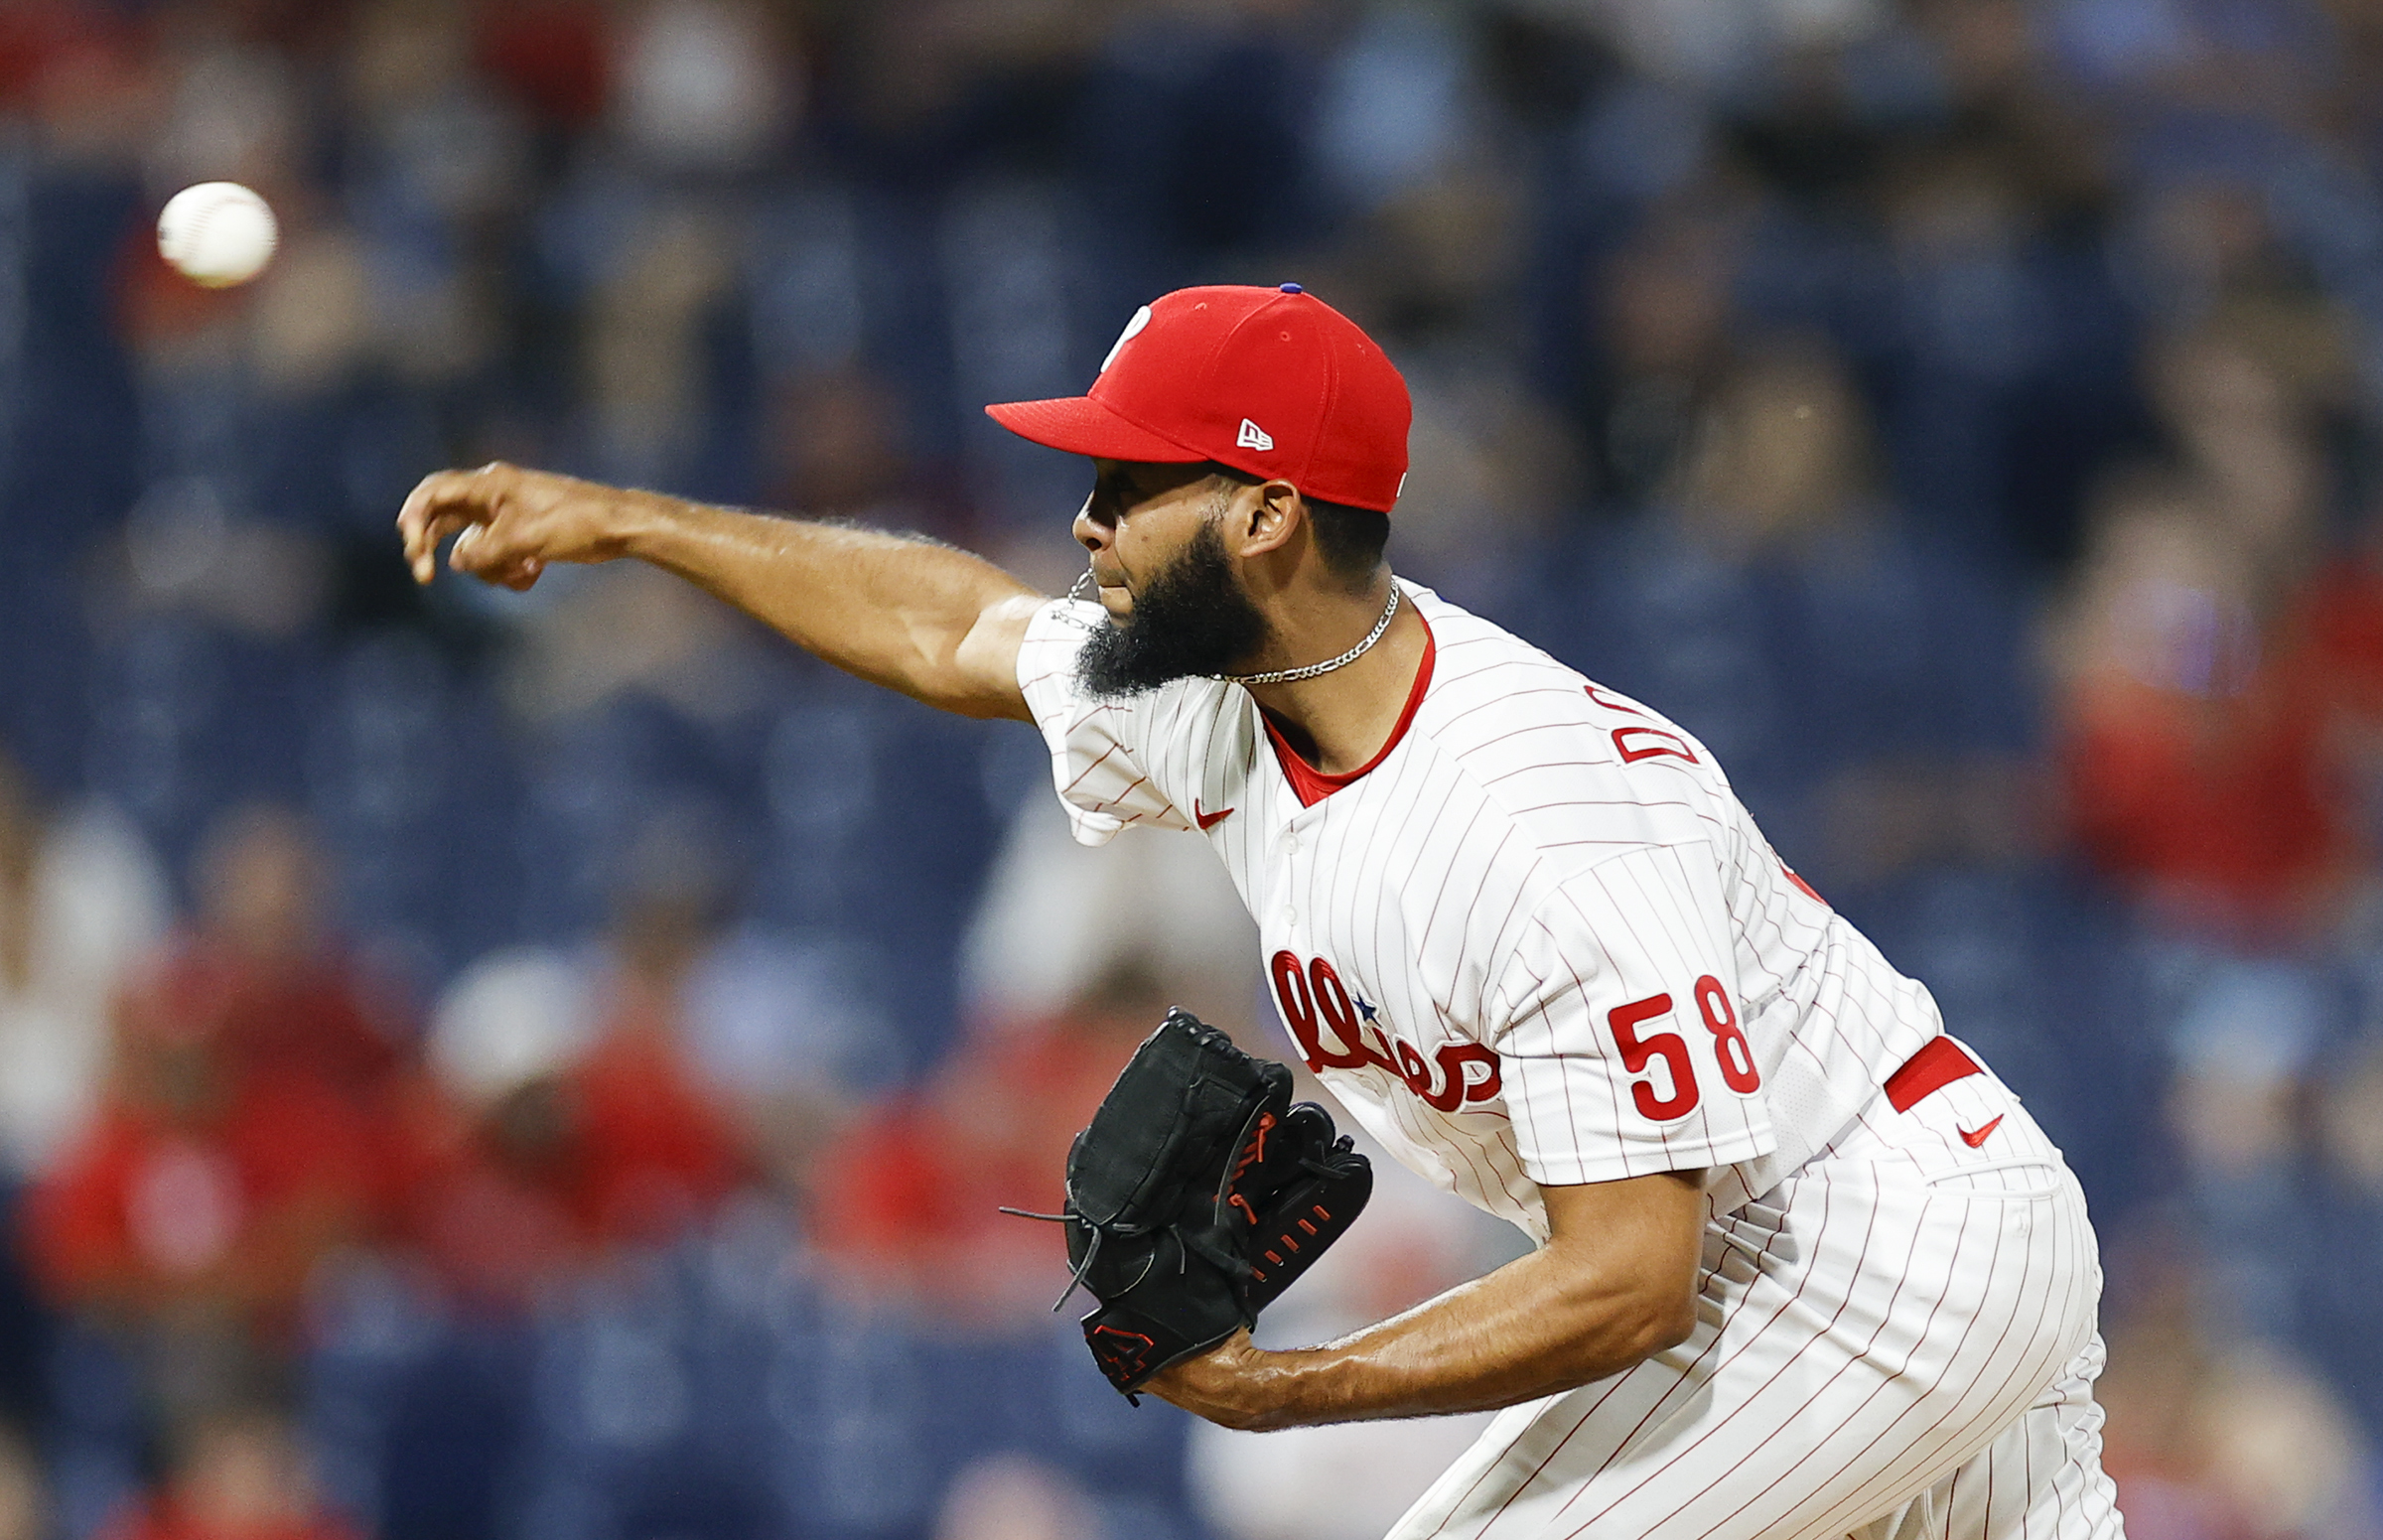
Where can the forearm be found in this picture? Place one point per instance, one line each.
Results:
(905, 612)
(1537, 1326)
(1615, 1284)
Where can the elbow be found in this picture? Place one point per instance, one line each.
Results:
(1656, 1324)
(1647, 1324)
(1669, 1322)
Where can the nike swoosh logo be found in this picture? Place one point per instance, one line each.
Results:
(1976, 1140)
(1209, 820)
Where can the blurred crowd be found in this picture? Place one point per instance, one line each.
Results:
(477, 1064)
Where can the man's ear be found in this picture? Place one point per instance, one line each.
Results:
(1266, 518)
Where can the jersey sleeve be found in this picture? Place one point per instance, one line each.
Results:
(1620, 1029)
(1098, 748)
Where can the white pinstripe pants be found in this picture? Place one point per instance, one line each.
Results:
(1897, 1342)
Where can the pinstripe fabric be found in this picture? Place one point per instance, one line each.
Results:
(1897, 1342)
(1553, 882)
(1535, 853)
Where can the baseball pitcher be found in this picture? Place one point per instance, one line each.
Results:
(1806, 1268)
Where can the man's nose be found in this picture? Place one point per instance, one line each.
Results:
(1092, 532)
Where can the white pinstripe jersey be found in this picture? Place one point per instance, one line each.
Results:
(1537, 940)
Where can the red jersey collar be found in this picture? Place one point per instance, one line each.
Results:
(1311, 785)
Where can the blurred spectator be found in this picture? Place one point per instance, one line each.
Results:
(1013, 1497)
(920, 1183)
(2242, 400)
(1662, 316)
(613, 1097)
(2195, 774)
(1825, 649)
(232, 111)
(2249, 1030)
(245, 1133)
(25, 1509)
(646, 368)
(191, 1214)
(1783, 455)
(261, 981)
(1057, 917)
(444, 154)
(2212, 1436)
(660, 1148)
(492, 1212)
(83, 76)
(838, 441)
(2332, 644)
(555, 55)
(633, 631)
(81, 899)
(704, 85)
(200, 1193)
(235, 1473)
(2346, 1203)
(184, 554)
(1494, 474)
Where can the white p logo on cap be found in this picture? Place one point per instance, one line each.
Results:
(1252, 436)
(1133, 329)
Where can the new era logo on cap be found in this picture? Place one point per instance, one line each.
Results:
(1190, 364)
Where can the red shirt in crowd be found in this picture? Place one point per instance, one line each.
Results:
(249, 1126)
(912, 1194)
(2239, 810)
(2222, 812)
(166, 1519)
(232, 1202)
(656, 1151)
(624, 1148)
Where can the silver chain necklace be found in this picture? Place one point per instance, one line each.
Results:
(1294, 675)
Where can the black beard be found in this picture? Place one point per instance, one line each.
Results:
(1193, 619)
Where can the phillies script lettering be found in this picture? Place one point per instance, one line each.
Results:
(1326, 1020)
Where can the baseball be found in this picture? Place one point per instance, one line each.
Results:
(218, 234)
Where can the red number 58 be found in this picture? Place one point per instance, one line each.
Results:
(1731, 1051)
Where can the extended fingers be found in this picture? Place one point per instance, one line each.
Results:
(470, 506)
(441, 504)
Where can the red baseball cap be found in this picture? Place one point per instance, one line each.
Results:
(1273, 382)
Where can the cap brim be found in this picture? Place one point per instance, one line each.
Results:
(1080, 425)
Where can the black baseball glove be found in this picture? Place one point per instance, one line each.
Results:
(1195, 1198)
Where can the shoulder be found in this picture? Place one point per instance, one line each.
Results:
(1054, 634)
(1583, 771)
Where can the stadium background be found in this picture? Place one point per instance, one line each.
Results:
(491, 1066)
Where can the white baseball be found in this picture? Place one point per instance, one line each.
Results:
(218, 234)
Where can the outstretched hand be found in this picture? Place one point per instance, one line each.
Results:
(509, 523)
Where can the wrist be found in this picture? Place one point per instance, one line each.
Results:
(638, 523)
